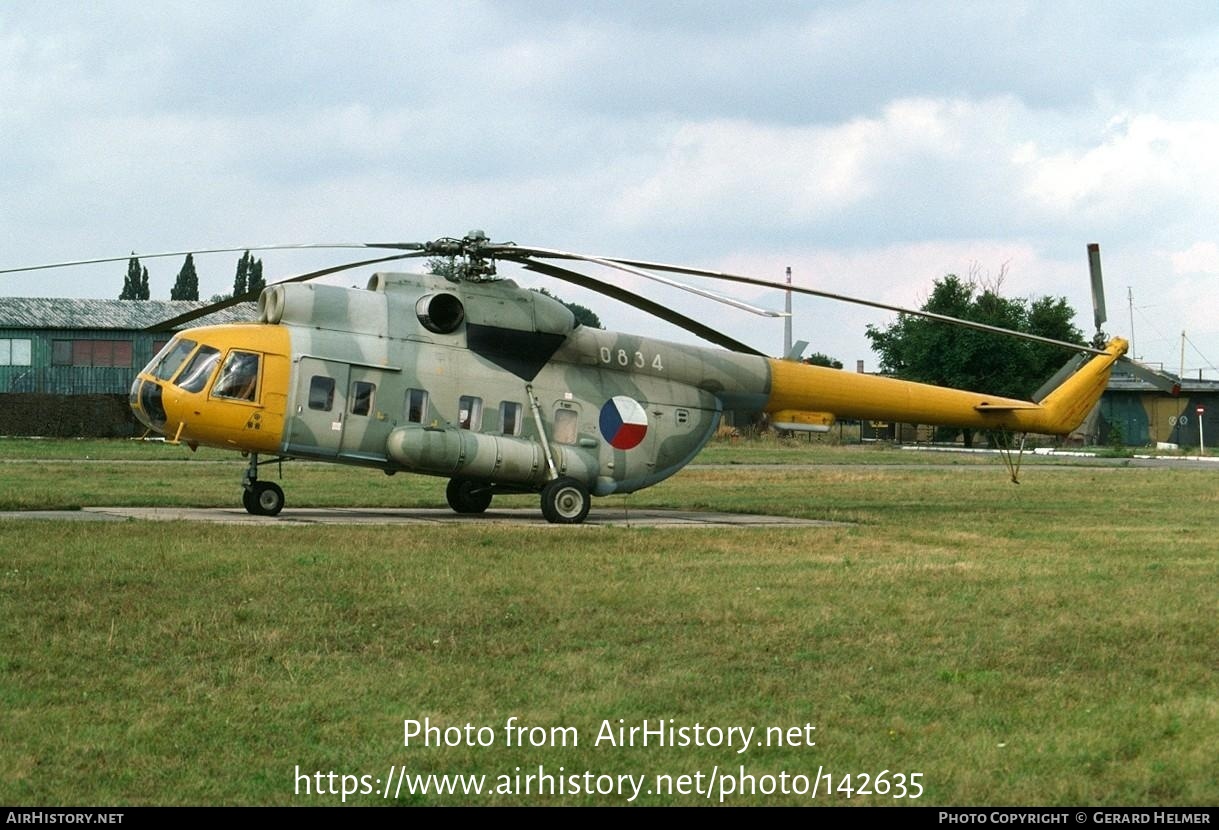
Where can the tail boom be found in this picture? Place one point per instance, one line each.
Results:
(803, 388)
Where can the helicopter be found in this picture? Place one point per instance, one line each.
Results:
(467, 376)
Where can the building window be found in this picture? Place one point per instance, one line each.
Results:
(416, 406)
(82, 352)
(91, 353)
(510, 418)
(361, 397)
(15, 352)
(470, 413)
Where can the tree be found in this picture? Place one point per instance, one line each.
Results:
(249, 276)
(256, 282)
(919, 349)
(135, 284)
(584, 315)
(819, 359)
(241, 280)
(186, 286)
(445, 266)
(450, 268)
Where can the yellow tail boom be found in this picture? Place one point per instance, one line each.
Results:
(803, 388)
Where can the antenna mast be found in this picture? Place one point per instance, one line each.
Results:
(1130, 299)
(787, 319)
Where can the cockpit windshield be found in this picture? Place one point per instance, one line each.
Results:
(197, 372)
(172, 357)
(238, 377)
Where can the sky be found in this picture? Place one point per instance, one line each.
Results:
(873, 147)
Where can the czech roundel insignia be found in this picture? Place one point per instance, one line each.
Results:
(623, 422)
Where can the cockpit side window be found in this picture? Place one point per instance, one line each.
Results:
(238, 377)
(199, 370)
(172, 357)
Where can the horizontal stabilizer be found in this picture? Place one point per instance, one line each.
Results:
(1005, 407)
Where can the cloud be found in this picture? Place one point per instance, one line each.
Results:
(1141, 167)
(1201, 257)
(881, 142)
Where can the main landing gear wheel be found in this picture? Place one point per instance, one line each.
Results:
(565, 501)
(263, 498)
(468, 496)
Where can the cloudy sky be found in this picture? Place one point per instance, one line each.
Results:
(871, 146)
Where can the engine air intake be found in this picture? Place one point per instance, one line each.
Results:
(441, 312)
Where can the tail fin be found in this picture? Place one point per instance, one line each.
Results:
(1065, 408)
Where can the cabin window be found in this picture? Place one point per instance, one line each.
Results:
(416, 405)
(15, 352)
(238, 377)
(470, 412)
(321, 393)
(168, 365)
(566, 427)
(361, 397)
(510, 418)
(199, 370)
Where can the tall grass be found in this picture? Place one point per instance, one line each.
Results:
(1049, 643)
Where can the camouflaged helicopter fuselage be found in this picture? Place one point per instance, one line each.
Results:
(493, 383)
(517, 367)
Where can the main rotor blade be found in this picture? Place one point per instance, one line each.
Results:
(407, 246)
(174, 322)
(812, 292)
(516, 254)
(663, 312)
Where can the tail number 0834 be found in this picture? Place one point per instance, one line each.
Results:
(623, 358)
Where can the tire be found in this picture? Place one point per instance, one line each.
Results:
(468, 496)
(264, 498)
(565, 501)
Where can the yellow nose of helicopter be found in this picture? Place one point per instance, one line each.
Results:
(219, 386)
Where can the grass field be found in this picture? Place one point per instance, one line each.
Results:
(1052, 643)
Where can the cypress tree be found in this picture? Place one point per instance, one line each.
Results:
(186, 287)
(241, 281)
(134, 281)
(256, 283)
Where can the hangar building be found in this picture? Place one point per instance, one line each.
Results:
(66, 365)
